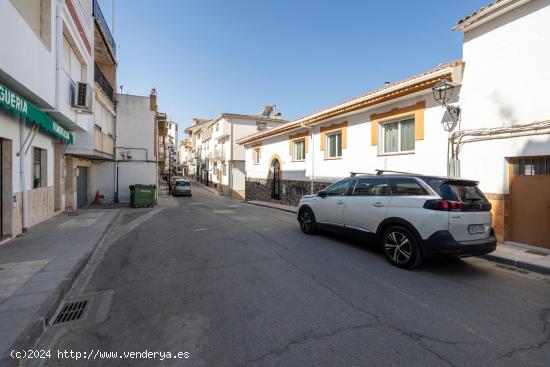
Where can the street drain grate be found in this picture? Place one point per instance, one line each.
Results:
(511, 268)
(537, 252)
(71, 312)
(72, 213)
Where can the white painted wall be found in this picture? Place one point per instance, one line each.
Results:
(505, 82)
(131, 173)
(25, 58)
(430, 154)
(135, 134)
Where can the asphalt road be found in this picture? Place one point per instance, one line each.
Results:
(234, 284)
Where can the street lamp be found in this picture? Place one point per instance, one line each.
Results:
(443, 92)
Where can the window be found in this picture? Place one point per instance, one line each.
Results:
(217, 126)
(338, 188)
(299, 150)
(39, 168)
(371, 187)
(261, 126)
(462, 191)
(539, 166)
(398, 136)
(334, 145)
(256, 155)
(406, 186)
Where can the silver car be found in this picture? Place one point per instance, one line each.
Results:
(181, 187)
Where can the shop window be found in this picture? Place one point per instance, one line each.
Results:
(398, 136)
(299, 150)
(334, 145)
(39, 174)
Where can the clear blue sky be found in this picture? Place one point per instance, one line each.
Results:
(207, 57)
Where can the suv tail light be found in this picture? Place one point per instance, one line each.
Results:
(449, 205)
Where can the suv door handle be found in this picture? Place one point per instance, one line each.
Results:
(378, 204)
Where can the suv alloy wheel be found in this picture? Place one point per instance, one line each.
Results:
(401, 248)
(307, 221)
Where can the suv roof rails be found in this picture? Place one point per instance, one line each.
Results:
(382, 171)
(353, 174)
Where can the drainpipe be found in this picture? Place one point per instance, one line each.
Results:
(58, 51)
(312, 158)
(231, 161)
(24, 199)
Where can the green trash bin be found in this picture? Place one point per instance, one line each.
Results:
(142, 196)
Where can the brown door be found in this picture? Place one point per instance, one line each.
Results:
(530, 199)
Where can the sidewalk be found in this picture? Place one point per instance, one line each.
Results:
(286, 208)
(38, 269)
(521, 256)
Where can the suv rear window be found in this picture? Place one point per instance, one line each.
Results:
(182, 183)
(462, 191)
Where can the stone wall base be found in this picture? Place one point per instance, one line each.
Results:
(291, 190)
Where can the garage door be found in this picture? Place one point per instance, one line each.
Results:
(530, 199)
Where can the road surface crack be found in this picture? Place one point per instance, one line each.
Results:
(305, 338)
(544, 316)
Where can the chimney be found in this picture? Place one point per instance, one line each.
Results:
(277, 116)
(153, 100)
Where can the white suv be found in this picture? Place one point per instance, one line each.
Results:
(411, 216)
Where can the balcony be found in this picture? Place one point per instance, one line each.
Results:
(103, 83)
(100, 19)
(218, 155)
(162, 124)
(103, 143)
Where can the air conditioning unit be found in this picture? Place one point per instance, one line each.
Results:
(81, 96)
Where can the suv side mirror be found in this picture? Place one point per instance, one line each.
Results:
(322, 193)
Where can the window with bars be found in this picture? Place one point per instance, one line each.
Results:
(535, 166)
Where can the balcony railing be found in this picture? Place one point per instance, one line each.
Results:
(103, 82)
(98, 15)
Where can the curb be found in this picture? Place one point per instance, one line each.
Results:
(518, 264)
(38, 324)
(272, 207)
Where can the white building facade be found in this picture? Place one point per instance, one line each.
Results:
(220, 161)
(37, 121)
(136, 161)
(397, 127)
(504, 140)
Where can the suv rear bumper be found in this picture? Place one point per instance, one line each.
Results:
(442, 244)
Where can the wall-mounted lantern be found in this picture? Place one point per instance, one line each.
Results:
(443, 92)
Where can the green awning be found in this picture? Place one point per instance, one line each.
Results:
(13, 102)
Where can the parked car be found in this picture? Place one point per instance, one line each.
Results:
(173, 180)
(181, 187)
(410, 216)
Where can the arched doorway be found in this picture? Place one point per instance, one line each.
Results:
(276, 179)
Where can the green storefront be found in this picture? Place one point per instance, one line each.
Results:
(13, 102)
(20, 205)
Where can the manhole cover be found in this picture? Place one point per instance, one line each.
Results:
(71, 312)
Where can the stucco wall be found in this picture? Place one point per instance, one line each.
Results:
(429, 157)
(505, 82)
